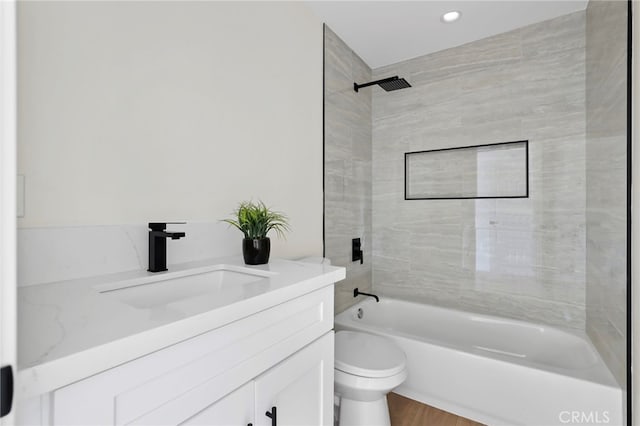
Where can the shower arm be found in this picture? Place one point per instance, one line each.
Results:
(357, 86)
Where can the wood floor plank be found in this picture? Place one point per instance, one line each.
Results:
(407, 412)
(466, 422)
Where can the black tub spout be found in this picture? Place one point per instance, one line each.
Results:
(357, 292)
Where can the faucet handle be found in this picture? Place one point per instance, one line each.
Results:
(161, 226)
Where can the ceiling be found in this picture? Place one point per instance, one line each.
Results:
(387, 32)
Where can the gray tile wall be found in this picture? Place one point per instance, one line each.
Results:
(347, 178)
(606, 156)
(519, 258)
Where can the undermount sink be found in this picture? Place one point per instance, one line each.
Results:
(171, 287)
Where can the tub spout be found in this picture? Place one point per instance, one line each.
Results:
(357, 292)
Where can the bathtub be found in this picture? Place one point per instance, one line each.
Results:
(493, 370)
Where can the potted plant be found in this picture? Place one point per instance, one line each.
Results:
(255, 221)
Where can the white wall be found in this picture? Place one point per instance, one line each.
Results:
(138, 111)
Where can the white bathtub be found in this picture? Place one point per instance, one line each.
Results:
(493, 370)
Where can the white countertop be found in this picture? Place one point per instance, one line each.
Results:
(68, 330)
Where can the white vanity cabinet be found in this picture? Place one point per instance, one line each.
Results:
(300, 387)
(232, 375)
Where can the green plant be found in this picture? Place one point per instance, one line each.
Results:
(256, 220)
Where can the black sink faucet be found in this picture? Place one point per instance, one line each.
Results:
(158, 245)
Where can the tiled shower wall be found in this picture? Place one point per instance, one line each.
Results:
(347, 177)
(519, 258)
(606, 155)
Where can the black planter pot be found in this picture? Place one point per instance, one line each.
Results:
(256, 250)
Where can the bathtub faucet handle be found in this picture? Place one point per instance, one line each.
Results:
(356, 250)
(357, 292)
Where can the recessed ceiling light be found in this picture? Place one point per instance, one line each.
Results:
(450, 17)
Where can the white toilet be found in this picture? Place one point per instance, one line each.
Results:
(367, 367)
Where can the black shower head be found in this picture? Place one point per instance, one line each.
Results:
(399, 83)
(388, 84)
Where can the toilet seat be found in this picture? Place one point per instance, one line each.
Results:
(367, 355)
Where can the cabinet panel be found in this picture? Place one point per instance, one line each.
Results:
(33, 411)
(301, 387)
(234, 409)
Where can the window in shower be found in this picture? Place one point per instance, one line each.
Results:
(499, 170)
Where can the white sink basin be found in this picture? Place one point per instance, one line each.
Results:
(166, 288)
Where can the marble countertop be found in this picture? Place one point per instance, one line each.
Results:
(68, 330)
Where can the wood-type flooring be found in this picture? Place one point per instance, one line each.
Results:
(407, 412)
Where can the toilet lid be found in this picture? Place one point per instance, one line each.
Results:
(367, 355)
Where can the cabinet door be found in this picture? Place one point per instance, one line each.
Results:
(234, 409)
(300, 387)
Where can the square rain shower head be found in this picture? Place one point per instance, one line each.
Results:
(388, 84)
(391, 85)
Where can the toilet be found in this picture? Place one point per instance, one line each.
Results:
(367, 367)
